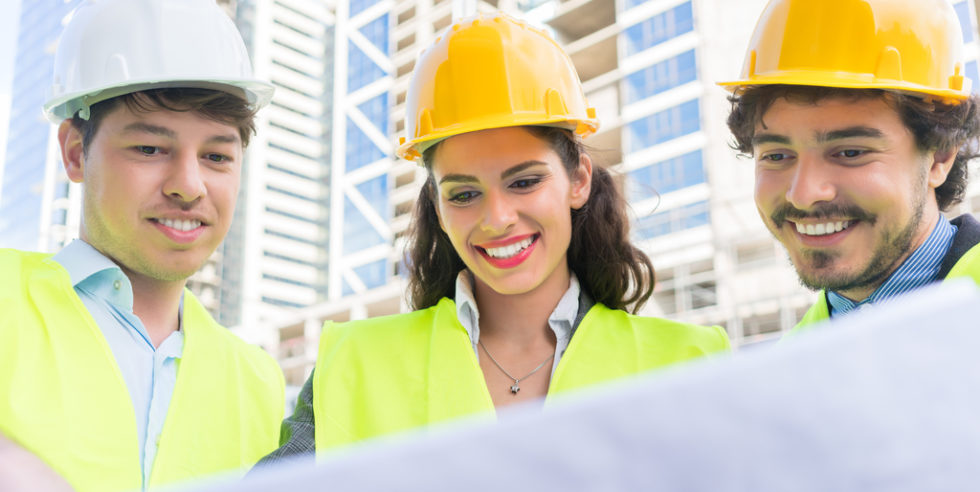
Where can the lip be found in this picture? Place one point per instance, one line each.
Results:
(826, 240)
(178, 236)
(513, 261)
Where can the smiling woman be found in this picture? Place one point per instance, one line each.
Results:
(520, 266)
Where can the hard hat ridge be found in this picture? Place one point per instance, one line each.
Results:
(910, 46)
(492, 71)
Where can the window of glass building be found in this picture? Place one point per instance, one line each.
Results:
(673, 220)
(361, 150)
(659, 28)
(663, 126)
(966, 22)
(666, 176)
(661, 76)
(359, 234)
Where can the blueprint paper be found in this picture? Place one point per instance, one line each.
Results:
(887, 399)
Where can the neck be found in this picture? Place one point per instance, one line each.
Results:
(156, 303)
(930, 219)
(520, 319)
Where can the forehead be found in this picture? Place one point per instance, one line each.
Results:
(122, 120)
(490, 151)
(799, 118)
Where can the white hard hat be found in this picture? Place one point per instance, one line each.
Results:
(115, 47)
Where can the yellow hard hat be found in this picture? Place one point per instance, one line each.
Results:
(492, 71)
(911, 46)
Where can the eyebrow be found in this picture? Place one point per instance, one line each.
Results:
(466, 178)
(823, 137)
(850, 132)
(140, 127)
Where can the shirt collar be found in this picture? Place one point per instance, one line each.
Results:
(560, 321)
(920, 268)
(95, 273)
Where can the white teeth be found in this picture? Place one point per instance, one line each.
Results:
(181, 225)
(821, 229)
(509, 251)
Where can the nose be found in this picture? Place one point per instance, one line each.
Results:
(812, 181)
(185, 181)
(499, 213)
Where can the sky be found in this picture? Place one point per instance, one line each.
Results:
(8, 42)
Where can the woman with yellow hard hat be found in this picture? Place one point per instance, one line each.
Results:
(520, 266)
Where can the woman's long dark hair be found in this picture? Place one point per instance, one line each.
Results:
(609, 268)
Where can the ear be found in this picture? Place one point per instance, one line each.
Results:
(72, 151)
(942, 163)
(581, 182)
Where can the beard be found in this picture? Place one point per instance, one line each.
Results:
(892, 248)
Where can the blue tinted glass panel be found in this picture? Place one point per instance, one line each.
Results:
(359, 234)
(361, 70)
(661, 76)
(358, 6)
(674, 220)
(376, 31)
(963, 13)
(373, 274)
(360, 149)
(971, 73)
(659, 28)
(375, 191)
(663, 126)
(376, 110)
(666, 176)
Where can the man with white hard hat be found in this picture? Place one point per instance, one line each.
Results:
(113, 373)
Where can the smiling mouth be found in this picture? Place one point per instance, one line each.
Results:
(823, 229)
(180, 225)
(511, 250)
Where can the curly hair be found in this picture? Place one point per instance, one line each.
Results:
(937, 126)
(609, 268)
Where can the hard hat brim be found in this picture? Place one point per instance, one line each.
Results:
(256, 92)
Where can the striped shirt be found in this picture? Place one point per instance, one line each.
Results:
(920, 268)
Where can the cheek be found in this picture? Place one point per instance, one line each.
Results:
(768, 189)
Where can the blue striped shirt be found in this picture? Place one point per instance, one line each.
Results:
(920, 268)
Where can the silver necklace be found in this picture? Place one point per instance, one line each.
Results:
(514, 388)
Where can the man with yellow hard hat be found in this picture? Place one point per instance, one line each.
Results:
(861, 124)
(113, 374)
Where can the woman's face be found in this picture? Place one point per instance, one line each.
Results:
(505, 199)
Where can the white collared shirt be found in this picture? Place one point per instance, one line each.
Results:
(560, 321)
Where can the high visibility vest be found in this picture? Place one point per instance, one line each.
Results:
(379, 376)
(64, 397)
(968, 266)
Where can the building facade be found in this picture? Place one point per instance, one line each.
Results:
(649, 67)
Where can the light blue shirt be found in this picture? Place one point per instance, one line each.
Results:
(150, 373)
(919, 269)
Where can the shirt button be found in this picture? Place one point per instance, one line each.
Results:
(116, 285)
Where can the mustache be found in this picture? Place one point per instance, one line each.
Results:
(821, 211)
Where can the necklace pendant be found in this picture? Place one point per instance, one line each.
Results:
(514, 388)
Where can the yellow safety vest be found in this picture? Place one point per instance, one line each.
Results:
(65, 399)
(379, 376)
(968, 266)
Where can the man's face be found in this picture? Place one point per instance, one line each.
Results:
(159, 188)
(842, 185)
